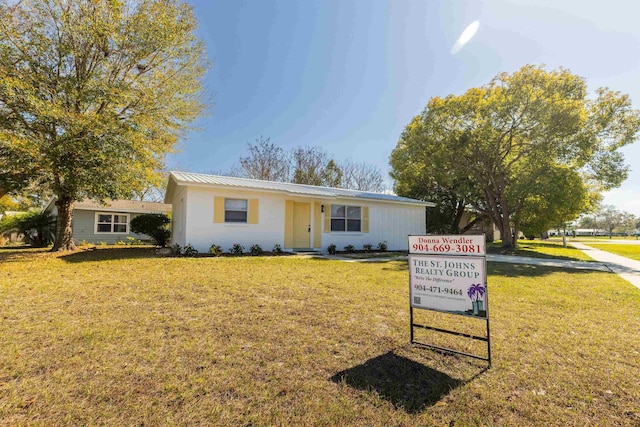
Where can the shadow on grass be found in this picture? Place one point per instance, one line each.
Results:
(108, 254)
(19, 253)
(397, 266)
(407, 384)
(530, 253)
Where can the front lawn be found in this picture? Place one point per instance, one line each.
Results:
(626, 250)
(121, 336)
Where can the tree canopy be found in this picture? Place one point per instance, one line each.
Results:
(93, 95)
(306, 165)
(527, 150)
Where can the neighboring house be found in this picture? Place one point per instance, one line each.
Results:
(221, 210)
(94, 222)
(12, 236)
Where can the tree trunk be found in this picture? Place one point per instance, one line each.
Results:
(64, 232)
(516, 231)
(505, 231)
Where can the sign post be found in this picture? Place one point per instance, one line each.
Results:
(449, 274)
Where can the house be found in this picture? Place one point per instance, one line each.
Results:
(94, 222)
(221, 210)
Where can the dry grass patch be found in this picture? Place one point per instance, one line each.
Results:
(123, 337)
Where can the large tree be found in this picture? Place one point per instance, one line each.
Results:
(361, 176)
(93, 95)
(266, 161)
(613, 219)
(313, 166)
(526, 150)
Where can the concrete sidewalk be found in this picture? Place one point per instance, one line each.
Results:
(626, 268)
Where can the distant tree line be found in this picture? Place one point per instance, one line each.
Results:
(306, 165)
(611, 220)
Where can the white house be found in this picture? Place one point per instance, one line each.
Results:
(221, 210)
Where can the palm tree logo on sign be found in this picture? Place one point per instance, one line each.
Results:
(476, 293)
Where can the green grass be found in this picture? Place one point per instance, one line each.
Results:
(373, 255)
(120, 336)
(540, 249)
(629, 251)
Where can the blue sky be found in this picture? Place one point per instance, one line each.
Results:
(348, 75)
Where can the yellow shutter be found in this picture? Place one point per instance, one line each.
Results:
(253, 211)
(218, 209)
(365, 219)
(317, 225)
(327, 218)
(288, 224)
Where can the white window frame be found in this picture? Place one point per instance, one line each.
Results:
(112, 223)
(346, 219)
(246, 211)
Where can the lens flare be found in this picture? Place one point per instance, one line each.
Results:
(465, 37)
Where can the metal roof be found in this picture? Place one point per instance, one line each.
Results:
(286, 187)
(124, 206)
(133, 206)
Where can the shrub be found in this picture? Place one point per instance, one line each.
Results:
(277, 249)
(189, 251)
(176, 249)
(349, 248)
(367, 247)
(331, 249)
(237, 249)
(215, 250)
(256, 250)
(155, 226)
(382, 246)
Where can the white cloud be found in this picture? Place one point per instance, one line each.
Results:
(624, 200)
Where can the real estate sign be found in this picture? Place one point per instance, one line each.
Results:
(449, 274)
(455, 284)
(448, 245)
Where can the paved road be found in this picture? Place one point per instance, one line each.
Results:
(626, 268)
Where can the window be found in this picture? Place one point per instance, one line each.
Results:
(235, 210)
(112, 223)
(346, 218)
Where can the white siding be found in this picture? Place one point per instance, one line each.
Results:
(201, 231)
(390, 222)
(178, 216)
(193, 223)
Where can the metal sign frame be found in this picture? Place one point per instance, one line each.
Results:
(438, 253)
